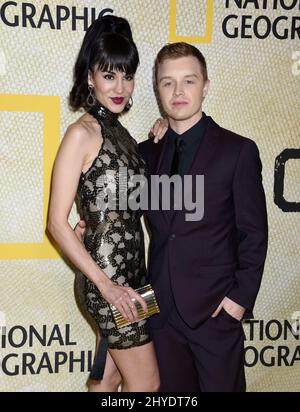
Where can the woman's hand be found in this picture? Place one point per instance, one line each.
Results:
(121, 297)
(158, 130)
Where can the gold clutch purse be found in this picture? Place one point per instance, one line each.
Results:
(147, 293)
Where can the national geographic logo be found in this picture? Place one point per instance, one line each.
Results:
(273, 342)
(21, 352)
(279, 179)
(277, 19)
(27, 15)
(49, 107)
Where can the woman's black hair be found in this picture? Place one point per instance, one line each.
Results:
(107, 46)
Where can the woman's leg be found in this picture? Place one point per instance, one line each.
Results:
(111, 377)
(138, 367)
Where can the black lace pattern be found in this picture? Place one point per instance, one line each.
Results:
(114, 238)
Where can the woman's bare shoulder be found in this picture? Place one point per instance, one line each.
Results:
(83, 129)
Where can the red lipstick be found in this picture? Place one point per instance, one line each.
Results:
(118, 100)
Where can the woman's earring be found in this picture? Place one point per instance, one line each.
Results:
(129, 104)
(91, 100)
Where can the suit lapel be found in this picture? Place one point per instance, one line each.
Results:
(161, 148)
(162, 169)
(158, 167)
(206, 149)
(201, 161)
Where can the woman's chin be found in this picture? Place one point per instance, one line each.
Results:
(114, 108)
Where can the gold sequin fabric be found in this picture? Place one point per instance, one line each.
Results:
(114, 238)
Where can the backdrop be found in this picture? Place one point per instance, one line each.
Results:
(253, 55)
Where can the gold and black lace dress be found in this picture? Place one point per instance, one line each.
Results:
(114, 236)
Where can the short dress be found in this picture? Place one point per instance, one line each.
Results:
(114, 235)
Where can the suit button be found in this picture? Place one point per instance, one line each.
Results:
(172, 237)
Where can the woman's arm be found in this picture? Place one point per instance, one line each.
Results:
(66, 173)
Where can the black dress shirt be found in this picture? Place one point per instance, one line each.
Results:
(192, 138)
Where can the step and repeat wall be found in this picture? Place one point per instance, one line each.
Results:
(253, 55)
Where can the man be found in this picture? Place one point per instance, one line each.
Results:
(206, 273)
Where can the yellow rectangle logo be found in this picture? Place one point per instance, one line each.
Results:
(206, 38)
(50, 107)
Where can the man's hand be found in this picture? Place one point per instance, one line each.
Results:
(80, 230)
(234, 309)
(158, 130)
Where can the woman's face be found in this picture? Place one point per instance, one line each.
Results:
(113, 89)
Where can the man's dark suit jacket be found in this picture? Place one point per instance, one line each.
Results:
(196, 264)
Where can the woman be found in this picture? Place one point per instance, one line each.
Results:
(111, 258)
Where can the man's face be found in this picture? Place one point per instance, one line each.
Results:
(181, 88)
